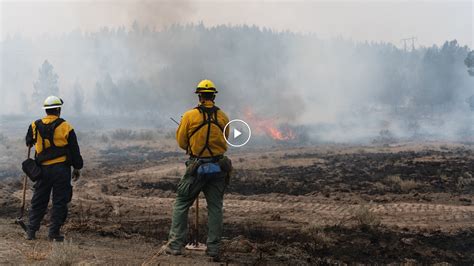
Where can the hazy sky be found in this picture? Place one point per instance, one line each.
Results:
(430, 21)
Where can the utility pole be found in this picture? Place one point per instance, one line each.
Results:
(412, 39)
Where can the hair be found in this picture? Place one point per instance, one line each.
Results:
(54, 111)
(207, 96)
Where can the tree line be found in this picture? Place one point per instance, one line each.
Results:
(147, 70)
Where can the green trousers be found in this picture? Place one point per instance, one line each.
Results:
(188, 189)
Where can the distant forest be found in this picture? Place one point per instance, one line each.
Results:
(283, 74)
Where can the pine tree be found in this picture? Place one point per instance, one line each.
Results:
(469, 61)
(78, 98)
(47, 83)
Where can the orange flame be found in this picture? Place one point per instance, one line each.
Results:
(268, 127)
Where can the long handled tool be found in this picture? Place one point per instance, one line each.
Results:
(176, 122)
(19, 219)
(194, 244)
(196, 222)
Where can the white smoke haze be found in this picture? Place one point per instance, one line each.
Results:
(141, 73)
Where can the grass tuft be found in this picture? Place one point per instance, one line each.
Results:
(64, 253)
(397, 183)
(365, 217)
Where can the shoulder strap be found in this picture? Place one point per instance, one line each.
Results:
(204, 122)
(211, 112)
(206, 145)
(36, 128)
(58, 122)
(209, 116)
(37, 122)
(216, 122)
(47, 130)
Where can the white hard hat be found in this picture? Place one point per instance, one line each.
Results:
(53, 102)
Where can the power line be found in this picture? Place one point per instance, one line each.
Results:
(412, 39)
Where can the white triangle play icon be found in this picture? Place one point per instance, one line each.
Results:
(237, 133)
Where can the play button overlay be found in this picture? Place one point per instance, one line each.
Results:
(239, 133)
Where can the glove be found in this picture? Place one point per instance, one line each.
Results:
(30, 142)
(76, 173)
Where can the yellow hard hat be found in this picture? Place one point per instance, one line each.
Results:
(52, 102)
(206, 86)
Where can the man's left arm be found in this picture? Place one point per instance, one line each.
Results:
(74, 151)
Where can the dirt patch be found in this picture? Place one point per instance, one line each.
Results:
(9, 204)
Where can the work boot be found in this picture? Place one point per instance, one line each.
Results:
(56, 236)
(31, 235)
(213, 254)
(171, 251)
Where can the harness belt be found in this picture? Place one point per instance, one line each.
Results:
(207, 159)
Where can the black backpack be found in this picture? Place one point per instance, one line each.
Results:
(46, 132)
(30, 166)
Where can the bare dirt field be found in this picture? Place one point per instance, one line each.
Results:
(319, 204)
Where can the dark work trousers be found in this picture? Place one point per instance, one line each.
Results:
(55, 178)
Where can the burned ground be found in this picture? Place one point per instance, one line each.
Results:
(363, 173)
(305, 205)
(434, 171)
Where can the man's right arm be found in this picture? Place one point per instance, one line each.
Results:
(182, 133)
(29, 139)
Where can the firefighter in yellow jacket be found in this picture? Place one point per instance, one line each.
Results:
(201, 134)
(56, 150)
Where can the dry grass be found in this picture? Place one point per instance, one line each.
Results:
(365, 217)
(85, 214)
(64, 254)
(318, 234)
(174, 172)
(151, 260)
(104, 138)
(398, 183)
(37, 253)
(122, 134)
(128, 134)
(379, 186)
(464, 181)
(239, 244)
(81, 218)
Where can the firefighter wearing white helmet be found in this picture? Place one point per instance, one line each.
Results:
(52, 102)
(56, 150)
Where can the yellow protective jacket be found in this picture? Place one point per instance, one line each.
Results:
(191, 135)
(64, 135)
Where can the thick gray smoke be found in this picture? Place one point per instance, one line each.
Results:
(338, 90)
